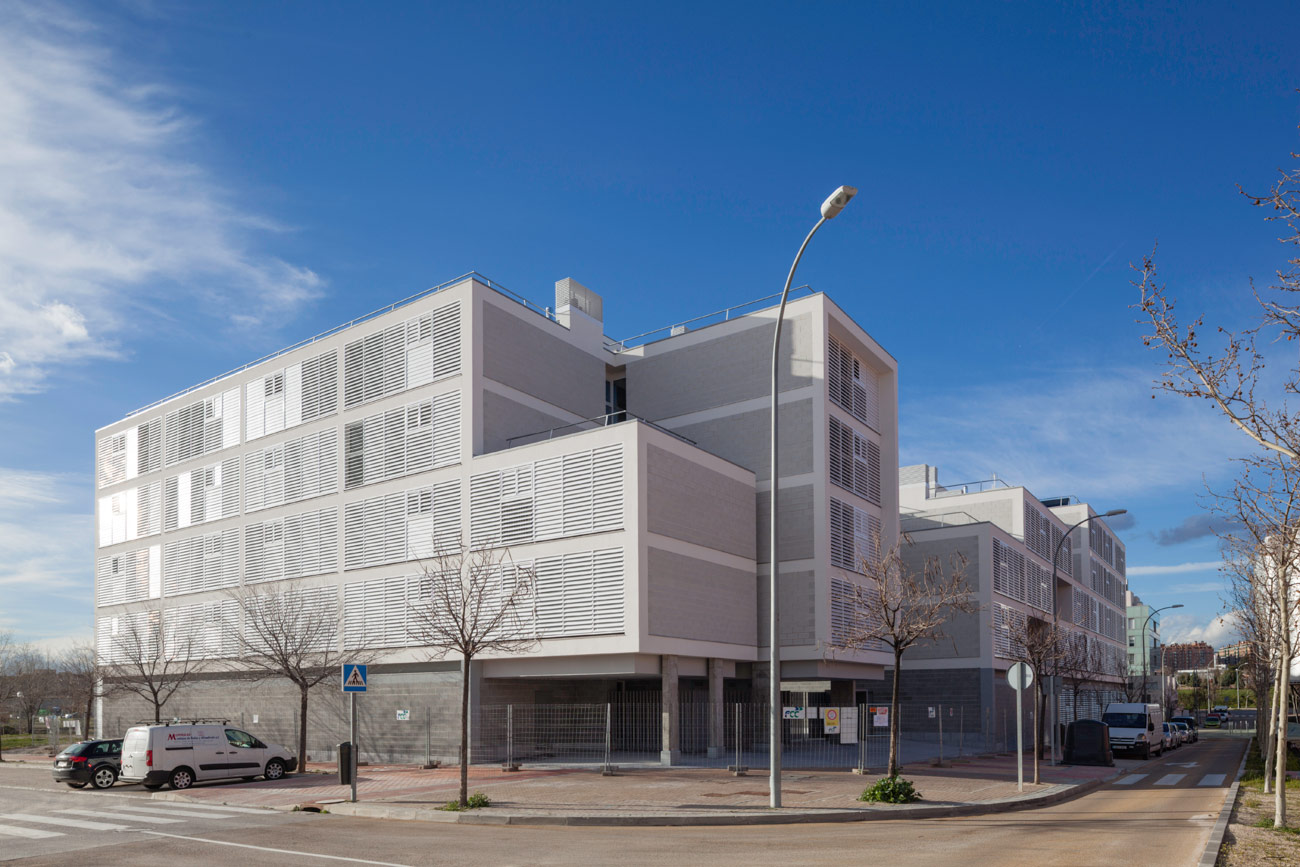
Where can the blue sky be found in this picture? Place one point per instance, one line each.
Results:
(184, 187)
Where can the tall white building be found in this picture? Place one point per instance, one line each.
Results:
(631, 475)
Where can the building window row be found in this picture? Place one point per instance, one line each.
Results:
(294, 395)
(409, 439)
(855, 536)
(130, 576)
(200, 428)
(292, 546)
(1018, 577)
(206, 562)
(200, 495)
(1106, 584)
(291, 471)
(851, 617)
(553, 498)
(406, 525)
(854, 462)
(1009, 626)
(853, 385)
(416, 352)
(131, 514)
(1042, 536)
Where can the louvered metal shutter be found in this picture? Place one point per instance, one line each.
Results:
(110, 455)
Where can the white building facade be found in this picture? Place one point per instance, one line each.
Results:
(466, 415)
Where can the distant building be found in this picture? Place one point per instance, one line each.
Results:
(1236, 654)
(1183, 657)
(1143, 642)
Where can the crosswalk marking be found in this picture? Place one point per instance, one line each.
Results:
(64, 823)
(168, 811)
(16, 831)
(1212, 780)
(1130, 779)
(123, 817)
(1170, 779)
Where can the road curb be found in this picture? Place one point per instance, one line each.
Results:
(380, 810)
(1212, 847)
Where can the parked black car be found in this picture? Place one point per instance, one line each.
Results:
(96, 763)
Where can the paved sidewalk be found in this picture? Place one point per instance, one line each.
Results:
(658, 796)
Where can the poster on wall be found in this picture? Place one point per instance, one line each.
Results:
(792, 713)
(881, 717)
(831, 720)
(848, 725)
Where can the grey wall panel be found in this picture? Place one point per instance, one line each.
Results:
(796, 540)
(525, 357)
(698, 505)
(725, 370)
(690, 598)
(798, 609)
(745, 439)
(504, 418)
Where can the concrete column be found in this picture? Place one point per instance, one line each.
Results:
(715, 708)
(671, 750)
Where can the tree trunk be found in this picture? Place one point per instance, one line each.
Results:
(1266, 733)
(1279, 761)
(893, 717)
(90, 708)
(464, 732)
(302, 727)
(1038, 716)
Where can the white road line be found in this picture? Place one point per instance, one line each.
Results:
(65, 823)
(167, 811)
(1170, 779)
(219, 808)
(277, 851)
(1130, 779)
(123, 817)
(16, 831)
(1212, 780)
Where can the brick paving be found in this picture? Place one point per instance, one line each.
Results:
(571, 791)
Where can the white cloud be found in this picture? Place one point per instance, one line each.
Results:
(1090, 432)
(1204, 566)
(104, 209)
(1182, 628)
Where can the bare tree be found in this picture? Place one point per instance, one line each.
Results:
(6, 682)
(293, 632)
(470, 602)
(1227, 370)
(140, 662)
(900, 605)
(35, 682)
(81, 677)
(1042, 645)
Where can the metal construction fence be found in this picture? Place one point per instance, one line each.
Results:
(732, 734)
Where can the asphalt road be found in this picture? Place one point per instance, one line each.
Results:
(1161, 813)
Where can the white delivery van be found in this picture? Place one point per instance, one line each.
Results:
(1135, 728)
(181, 754)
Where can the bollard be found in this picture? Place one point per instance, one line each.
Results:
(345, 763)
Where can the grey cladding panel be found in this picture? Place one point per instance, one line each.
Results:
(698, 505)
(504, 418)
(796, 541)
(798, 622)
(722, 371)
(690, 598)
(523, 356)
(745, 439)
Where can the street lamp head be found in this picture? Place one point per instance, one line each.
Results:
(1113, 512)
(836, 201)
(1179, 605)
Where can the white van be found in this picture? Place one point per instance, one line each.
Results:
(1135, 728)
(182, 754)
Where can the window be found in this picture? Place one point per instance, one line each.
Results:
(854, 462)
(405, 355)
(411, 439)
(855, 536)
(852, 384)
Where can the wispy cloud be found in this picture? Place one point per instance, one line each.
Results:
(1182, 628)
(1094, 433)
(104, 208)
(1194, 527)
(1181, 568)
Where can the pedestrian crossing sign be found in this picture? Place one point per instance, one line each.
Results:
(354, 677)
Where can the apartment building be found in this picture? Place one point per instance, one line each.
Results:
(1144, 650)
(1189, 656)
(632, 476)
(1007, 537)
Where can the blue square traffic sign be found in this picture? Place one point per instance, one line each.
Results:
(354, 677)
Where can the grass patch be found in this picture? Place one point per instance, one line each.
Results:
(476, 801)
(891, 790)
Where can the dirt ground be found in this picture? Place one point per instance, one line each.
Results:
(1251, 840)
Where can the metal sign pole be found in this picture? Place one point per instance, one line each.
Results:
(353, 736)
(1020, 748)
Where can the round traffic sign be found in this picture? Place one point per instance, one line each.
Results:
(1020, 675)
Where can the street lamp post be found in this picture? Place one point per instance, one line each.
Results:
(1056, 620)
(830, 208)
(1142, 639)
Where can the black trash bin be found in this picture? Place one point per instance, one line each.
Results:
(1087, 742)
(345, 763)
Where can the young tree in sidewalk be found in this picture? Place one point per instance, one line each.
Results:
(6, 683)
(141, 663)
(471, 601)
(292, 631)
(35, 682)
(1041, 645)
(1226, 368)
(82, 677)
(901, 604)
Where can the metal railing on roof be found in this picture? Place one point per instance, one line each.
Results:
(992, 484)
(930, 520)
(544, 312)
(591, 424)
(700, 321)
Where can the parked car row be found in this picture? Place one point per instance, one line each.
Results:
(1141, 729)
(177, 755)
